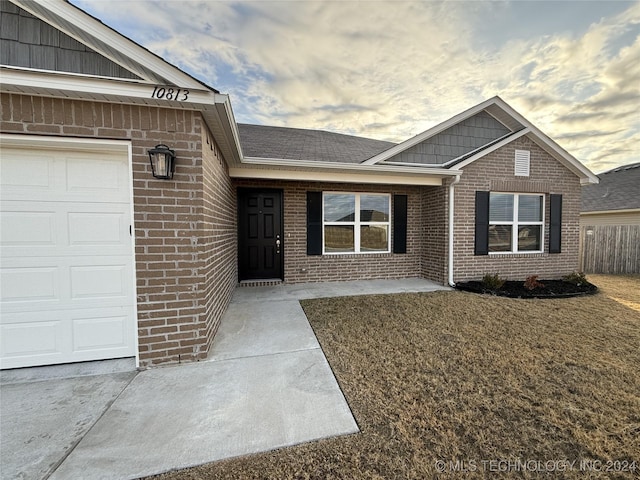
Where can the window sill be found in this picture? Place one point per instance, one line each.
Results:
(358, 255)
(518, 254)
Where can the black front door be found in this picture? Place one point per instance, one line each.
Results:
(260, 253)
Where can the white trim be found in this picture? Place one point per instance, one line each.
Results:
(60, 143)
(215, 107)
(605, 212)
(134, 270)
(62, 15)
(336, 176)
(452, 282)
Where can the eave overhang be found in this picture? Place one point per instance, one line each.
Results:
(214, 107)
(316, 171)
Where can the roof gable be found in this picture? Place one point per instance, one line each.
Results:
(82, 31)
(454, 142)
(29, 42)
(619, 189)
(516, 126)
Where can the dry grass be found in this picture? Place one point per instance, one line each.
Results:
(456, 376)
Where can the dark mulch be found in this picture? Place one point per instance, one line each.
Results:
(457, 378)
(516, 289)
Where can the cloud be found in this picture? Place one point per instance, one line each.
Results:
(390, 70)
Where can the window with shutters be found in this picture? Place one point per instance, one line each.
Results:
(516, 223)
(355, 223)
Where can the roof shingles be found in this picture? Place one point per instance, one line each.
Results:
(299, 144)
(619, 189)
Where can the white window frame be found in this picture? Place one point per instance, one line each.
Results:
(357, 224)
(515, 223)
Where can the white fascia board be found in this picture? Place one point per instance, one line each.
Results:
(493, 147)
(611, 212)
(84, 87)
(550, 146)
(132, 92)
(69, 13)
(401, 147)
(312, 165)
(334, 177)
(587, 177)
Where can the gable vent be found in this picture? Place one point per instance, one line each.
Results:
(522, 163)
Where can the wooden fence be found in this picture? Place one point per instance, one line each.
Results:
(610, 249)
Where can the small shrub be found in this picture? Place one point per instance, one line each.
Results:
(492, 282)
(577, 278)
(531, 283)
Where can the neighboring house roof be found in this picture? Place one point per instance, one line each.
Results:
(149, 72)
(619, 189)
(260, 141)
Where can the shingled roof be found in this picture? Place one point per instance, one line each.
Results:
(299, 144)
(619, 189)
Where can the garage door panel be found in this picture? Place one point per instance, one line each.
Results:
(100, 333)
(99, 281)
(96, 177)
(29, 284)
(26, 228)
(24, 342)
(53, 283)
(24, 173)
(97, 228)
(44, 229)
(67, 263)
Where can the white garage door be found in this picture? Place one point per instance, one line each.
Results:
(67, 282)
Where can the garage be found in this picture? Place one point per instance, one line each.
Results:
(67, 291)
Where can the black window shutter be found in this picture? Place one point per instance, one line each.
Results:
(314, 223)
(482, 223)
(399, 224)
(555, 223)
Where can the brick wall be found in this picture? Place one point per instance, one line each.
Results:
(435, 233)
(495, 173)
(183, 279)
(300, 267)
(219, 247)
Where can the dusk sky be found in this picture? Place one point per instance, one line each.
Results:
(392, 69)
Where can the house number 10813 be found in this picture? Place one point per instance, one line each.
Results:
(166, 93)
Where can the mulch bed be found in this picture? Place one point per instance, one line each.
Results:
(516, 289)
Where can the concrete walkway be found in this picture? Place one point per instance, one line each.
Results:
(265, 385)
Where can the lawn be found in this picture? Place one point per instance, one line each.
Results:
(470, 381)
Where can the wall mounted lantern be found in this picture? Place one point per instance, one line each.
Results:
(163, 162)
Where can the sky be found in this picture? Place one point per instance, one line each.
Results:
(391, 69)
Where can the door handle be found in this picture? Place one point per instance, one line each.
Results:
(278, 244)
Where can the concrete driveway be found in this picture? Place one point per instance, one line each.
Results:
(265, 385)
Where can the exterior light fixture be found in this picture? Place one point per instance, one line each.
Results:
(163, 162)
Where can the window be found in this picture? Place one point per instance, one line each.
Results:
(355, 223)
(516, 222)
